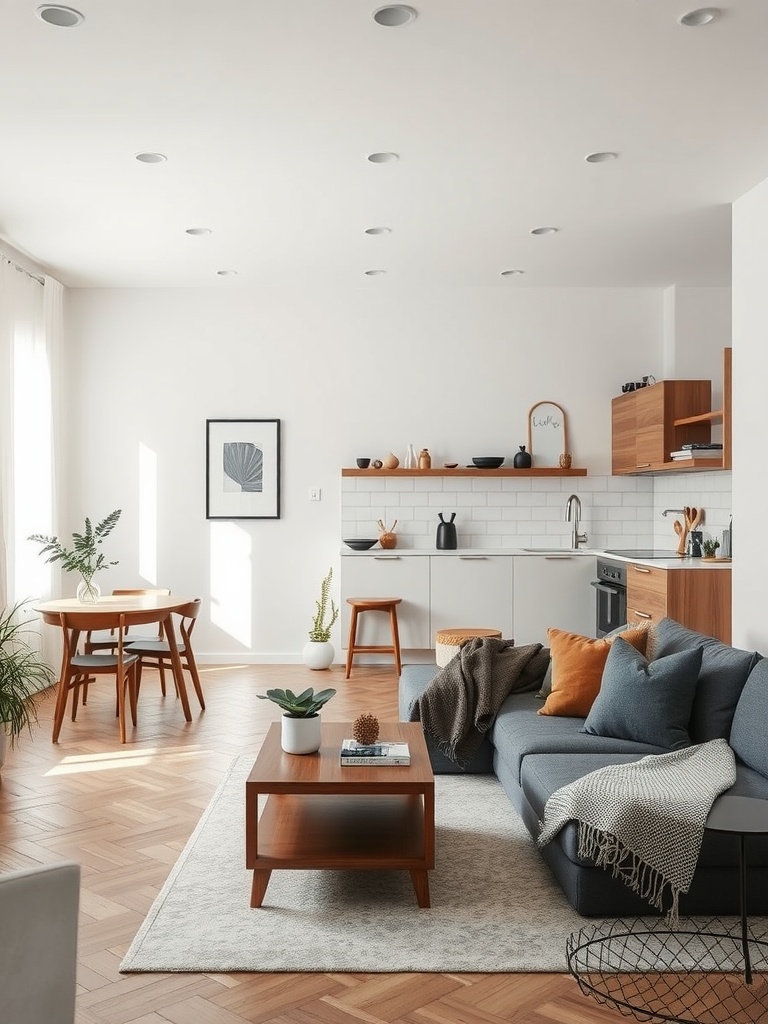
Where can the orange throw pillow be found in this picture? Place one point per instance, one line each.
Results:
(577, 669)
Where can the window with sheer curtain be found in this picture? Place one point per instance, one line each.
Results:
(30, 341)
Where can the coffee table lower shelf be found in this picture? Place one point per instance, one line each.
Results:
(341, 832)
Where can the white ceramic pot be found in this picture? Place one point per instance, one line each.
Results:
(301, 735)
(318, 655)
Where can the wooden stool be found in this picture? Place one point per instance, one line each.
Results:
(373, 604)
(448, 641)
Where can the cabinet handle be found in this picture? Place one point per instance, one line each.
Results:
(386, 558)
(642, 615)
(638, 568)
(558, 558)
(473, 558)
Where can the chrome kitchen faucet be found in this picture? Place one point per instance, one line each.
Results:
(573, 515)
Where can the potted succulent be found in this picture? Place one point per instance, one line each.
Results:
(319, 652)
(301, 733)
(23, 672)
(83, 557)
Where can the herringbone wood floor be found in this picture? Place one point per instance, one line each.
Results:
(125, 813)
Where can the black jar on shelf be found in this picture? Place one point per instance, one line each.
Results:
(523, 459)
(447, 539)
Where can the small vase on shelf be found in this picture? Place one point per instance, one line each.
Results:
(410, 461)
(425, 459)
(523, 458)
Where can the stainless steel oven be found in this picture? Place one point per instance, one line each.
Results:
(610, 595)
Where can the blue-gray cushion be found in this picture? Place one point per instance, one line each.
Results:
(724, 671)
(645, 701)
(750, 720)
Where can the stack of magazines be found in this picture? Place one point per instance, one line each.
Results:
(698, 451)
(354, 753)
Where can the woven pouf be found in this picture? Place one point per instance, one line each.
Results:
(448, 641)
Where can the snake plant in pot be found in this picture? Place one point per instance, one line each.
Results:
(23, 673)
(301, 732)
(319, 652)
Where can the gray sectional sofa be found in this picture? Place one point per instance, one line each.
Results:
(533, 755)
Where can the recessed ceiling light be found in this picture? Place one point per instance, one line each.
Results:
(198, 231)
(151, 158)
(382, 158)
(374, 273)
(60, 16)
(227, 273)
(393, 15)
(543, 231)
(511, 273)
(600, 158)
(702, 16)
(378, 231)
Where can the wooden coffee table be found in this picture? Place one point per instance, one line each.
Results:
(319, 815)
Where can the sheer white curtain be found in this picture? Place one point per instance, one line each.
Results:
(31, 332)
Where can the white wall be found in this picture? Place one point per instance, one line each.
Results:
(750, 374)
(354, 372)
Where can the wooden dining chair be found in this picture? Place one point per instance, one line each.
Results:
(157, 654)
(76, 668)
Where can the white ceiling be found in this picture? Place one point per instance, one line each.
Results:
(267, 111)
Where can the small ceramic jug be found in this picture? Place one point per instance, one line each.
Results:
(425, 459)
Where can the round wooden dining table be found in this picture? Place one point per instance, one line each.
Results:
(116, 604)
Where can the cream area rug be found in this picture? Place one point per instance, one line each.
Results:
(495, 906)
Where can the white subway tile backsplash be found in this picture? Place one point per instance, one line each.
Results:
(505, 512)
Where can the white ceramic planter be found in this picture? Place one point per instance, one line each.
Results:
(318, 655)
(300, 735)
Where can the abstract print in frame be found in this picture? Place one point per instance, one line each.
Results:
(242, 469)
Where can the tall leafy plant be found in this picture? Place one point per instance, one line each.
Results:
(23, 672)
(83, 556)
(321, 630)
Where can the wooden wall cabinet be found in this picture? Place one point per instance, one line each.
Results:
(697, 598)
(647, 424)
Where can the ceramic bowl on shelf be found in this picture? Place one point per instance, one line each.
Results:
(488, 461)
(363, 463)
(361, 543)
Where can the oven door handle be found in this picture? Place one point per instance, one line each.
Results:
(603, 588)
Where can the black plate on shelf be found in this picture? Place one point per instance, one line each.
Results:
(361, 543)
(488, 461)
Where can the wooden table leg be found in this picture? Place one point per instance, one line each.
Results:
(259, 887)
(420, 881)
(178, 668)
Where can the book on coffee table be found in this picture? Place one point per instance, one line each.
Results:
(354, 753)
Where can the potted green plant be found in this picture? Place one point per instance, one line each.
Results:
(709, 547)
(83, 557)
(319, 652)
(301, 732)
(23, 672)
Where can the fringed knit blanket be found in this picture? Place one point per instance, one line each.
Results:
(460, 704)
(645, 820)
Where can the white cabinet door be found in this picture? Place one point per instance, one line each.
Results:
(553, 590)
(387, 575)
(474, 591)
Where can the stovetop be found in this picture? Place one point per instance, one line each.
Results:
(643, 553)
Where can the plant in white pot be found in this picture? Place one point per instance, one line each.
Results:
(83, 557)
(319, 652)
(23, 673)
(301, 732)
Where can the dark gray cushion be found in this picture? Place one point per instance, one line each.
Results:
(724, 671)
(646, 701)
(751, 720)
(546, 683)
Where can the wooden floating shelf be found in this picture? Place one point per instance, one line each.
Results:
(716, 416)
(466, 471)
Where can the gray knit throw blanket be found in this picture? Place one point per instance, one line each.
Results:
(645, 820)
(460, 704)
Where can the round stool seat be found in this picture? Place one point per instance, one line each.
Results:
(448, 641)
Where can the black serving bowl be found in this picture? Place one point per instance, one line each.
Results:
(361, 543)
(488, 461)
(363, 463)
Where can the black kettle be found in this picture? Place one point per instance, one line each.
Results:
(446, 533)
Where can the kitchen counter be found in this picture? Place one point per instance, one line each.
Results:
(676, 562)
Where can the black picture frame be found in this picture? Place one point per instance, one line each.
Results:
(242, 469)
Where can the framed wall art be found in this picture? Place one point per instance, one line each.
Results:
(547, 433)
(242, 469)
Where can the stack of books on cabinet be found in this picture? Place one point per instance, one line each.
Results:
(371, 754)
(698, 451)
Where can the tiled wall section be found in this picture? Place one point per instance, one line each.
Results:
(505, 512)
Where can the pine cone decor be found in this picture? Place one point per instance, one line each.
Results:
(365, 729)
